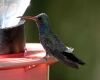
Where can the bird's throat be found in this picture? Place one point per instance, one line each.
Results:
(44, 29)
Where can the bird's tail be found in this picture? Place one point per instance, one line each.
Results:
(71, 60)
(68, 58)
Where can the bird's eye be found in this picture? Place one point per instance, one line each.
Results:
(39, 18)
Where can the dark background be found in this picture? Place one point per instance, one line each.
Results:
(77, 22)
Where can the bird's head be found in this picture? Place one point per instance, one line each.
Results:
(39, 19)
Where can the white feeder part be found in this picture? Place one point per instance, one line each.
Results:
(10, 10)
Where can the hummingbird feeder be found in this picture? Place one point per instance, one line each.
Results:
(19, 60)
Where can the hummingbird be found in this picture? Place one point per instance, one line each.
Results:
(52, 44)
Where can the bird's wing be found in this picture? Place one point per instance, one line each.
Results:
(67, 52)
(54, 43)
(60, 45)
(55, 47)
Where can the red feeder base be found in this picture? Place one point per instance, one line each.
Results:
(31, 66)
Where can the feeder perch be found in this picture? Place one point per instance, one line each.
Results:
(31, 66)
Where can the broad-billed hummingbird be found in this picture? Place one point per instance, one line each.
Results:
(52, 44)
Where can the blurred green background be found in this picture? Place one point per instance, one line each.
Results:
(77, 22)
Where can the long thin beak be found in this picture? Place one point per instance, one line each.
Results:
(27, 17)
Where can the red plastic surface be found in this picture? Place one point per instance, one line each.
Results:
(39, 72)
(30, 66)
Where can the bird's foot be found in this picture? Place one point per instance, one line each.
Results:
(46, 58)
